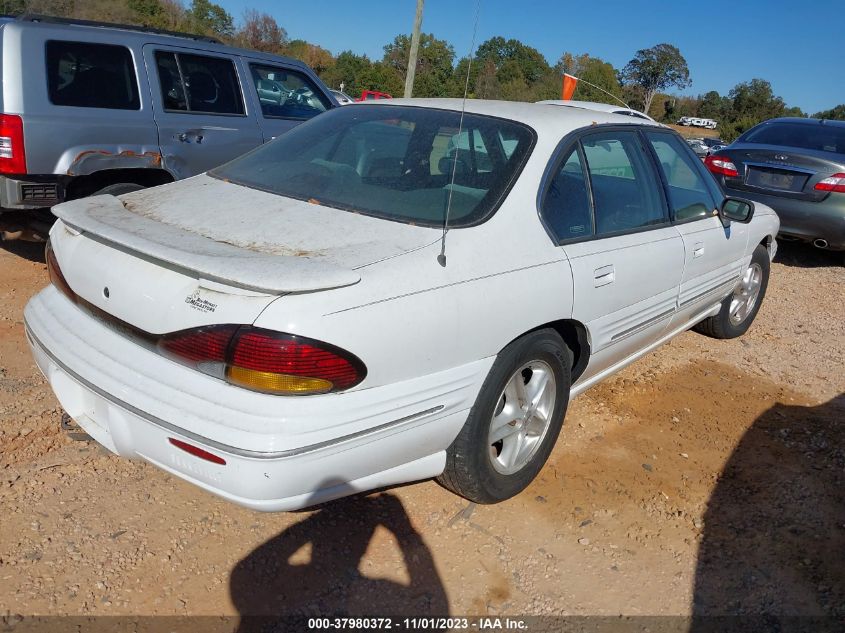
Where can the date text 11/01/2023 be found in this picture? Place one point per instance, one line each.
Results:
(418, 624)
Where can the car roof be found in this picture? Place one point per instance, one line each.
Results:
(804, 121)
(592, 105)
(130, 35)
(542, 117)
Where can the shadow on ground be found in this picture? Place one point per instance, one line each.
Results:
(330, 581)
(801, 255)
(33, 251)
(774, 531)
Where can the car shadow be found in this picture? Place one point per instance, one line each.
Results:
(313, 568)
(801, 255)
(774, 531)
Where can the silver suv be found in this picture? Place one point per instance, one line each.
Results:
(90, 107)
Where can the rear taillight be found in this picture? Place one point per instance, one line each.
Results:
(56, 276)
(12, 156)
(836, 183)
(263, 360)
(721, 166)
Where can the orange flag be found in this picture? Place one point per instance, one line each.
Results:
(569, 83)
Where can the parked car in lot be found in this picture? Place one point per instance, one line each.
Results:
(698, 146)
(297, 325)
(797, 167)
(599, 107)
(98, 108)
(371, 95)
(342, 98)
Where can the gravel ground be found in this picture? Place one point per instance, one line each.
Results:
(706, 478)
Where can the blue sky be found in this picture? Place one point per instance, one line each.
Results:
(798, 47)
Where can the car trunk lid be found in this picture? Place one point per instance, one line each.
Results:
(205, 251)
(782, 171)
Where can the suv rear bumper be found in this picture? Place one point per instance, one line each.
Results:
(35, 192)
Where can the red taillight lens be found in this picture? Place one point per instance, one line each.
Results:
(196, 451)
(12, 156)
(56, 276)
(265, 361)
(721, 166)
(836, 183)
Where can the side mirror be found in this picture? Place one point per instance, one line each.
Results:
(736, 210)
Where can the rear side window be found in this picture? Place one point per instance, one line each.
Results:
(287, 94)
(84, 75)
(566, 208)
(198, 84)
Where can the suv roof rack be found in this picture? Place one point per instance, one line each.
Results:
(49, 19)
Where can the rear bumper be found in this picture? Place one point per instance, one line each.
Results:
(803, 220)
(280, 453)
(32, 193)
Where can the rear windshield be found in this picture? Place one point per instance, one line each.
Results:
(822, 138)
(396, 162)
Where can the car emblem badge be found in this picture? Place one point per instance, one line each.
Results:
(781, 157)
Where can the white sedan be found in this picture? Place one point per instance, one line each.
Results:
(296, 325)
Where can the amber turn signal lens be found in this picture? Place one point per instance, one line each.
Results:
(280, 384)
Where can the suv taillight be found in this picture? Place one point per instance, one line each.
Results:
(835, 183)
(264, 360)
(721, 166)
(12, 156)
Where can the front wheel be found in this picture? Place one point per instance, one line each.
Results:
(740, 307)
(514, 423)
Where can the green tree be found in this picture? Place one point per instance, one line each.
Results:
(498, 50)
(316, 57)
(208, 17)
(348, 70)
(837, 113)
(655, 69)
(434, 63)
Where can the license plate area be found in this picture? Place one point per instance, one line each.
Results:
(776, 179)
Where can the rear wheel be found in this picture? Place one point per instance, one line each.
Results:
(118, 189)
(740, 307)
(515, 421)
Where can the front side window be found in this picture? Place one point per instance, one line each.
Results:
(626, 196)
(406, 164)
(287, 94)
(85, 75)
(200, 84)
(689, 196)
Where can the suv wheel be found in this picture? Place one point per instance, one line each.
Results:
(515, 421)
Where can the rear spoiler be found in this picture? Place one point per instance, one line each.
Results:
(106, 218)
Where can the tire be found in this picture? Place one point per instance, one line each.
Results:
(487, 471)
(118, 189)
(755, 276)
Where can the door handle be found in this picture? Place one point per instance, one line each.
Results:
(189, 135)
(604, 275)
(698, 249)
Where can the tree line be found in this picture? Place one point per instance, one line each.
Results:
(499, 68)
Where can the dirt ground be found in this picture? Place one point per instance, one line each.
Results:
(707, 478)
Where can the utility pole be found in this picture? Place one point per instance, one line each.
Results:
(415, 45)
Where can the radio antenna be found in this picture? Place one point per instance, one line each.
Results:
(609, 94)
(441, 258)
